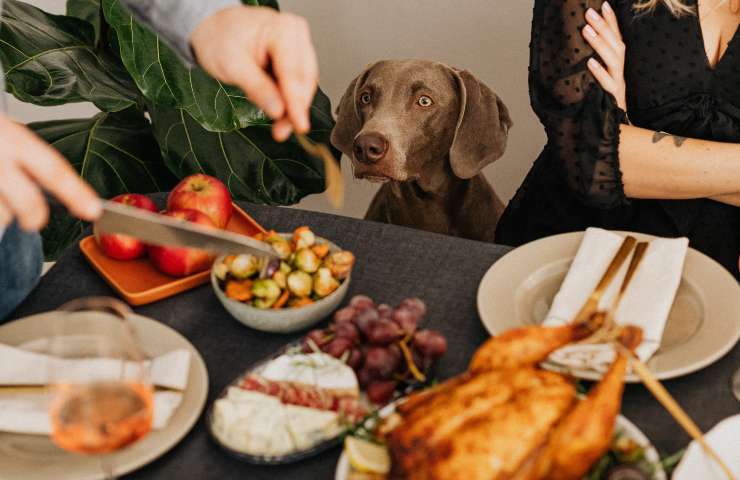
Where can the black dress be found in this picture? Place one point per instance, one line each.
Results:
(576, 181)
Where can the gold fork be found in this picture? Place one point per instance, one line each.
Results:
(334, 179)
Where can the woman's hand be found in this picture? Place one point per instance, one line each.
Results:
(602, 33)
(27, 166)
(269, 55)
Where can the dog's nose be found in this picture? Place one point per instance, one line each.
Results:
(370, 147)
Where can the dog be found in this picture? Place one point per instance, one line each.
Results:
(426, 131)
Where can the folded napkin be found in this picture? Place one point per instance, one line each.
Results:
(724, 438)
(646, 303)
(27, 411)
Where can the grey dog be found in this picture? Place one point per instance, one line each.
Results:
(426, 130)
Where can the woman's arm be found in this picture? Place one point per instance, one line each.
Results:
(657, 164)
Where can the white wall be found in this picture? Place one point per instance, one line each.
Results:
(489, 38)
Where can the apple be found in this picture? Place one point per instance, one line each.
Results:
(125, 247)
(180, 261)
(205, 194)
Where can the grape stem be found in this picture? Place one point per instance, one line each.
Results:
(410, 360)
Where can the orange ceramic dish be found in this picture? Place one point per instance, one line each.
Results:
(139, 283)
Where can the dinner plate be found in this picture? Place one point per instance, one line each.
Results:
(623, 425)
(702, 327)
(33, 457)
(724, 438)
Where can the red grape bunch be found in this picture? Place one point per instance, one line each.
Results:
(382, 344)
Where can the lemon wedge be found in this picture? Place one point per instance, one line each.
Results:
(367, 457)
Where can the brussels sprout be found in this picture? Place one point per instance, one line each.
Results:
(264, 303)
(285, 268)
(306, 260)
(266, 288)
(244, 266)
(221, 270)
(324, 283)
(300, 283)
(282, 248)
(303, 237)
(280, 278)
(340, 264)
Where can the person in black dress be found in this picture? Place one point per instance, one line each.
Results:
(641, 106)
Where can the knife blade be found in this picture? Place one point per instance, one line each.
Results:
(162, 230)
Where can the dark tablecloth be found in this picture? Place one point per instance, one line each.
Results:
(392, 263)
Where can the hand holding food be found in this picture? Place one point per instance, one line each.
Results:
(304, 272)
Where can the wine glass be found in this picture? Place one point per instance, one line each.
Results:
(101, 398)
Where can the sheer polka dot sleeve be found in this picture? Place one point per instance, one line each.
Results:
(581, 120)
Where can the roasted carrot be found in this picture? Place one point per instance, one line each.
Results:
(300, 302)
(241, 291)
(321, 250)
(282, 299)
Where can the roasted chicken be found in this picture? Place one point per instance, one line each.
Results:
(505, 418)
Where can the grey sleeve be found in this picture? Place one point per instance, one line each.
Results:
(175, 20)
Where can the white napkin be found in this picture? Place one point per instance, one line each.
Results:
(26, 412)
(646, 303)
(724, 438)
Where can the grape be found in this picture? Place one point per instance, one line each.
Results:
(383, 332)
(415, 304)
(421, 361)
(384, 310)
(346, 330)
(316, 336)
(272, 267)
(361, 302)
(364, 319)
(355, 359)
(345, 314)
(381, 393)
(430, 343)
(337, 347)
(364, 377)
(382, 362)
(407, 319)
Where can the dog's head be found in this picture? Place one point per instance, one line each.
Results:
(402, 119)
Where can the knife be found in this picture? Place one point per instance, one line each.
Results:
(162, 230)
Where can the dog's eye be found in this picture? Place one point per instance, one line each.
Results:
(425, 101)
(365, 98)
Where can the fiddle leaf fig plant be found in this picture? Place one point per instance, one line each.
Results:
(159, 119)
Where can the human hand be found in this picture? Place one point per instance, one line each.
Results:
(602, 33)
(240, 45)
(28, 165)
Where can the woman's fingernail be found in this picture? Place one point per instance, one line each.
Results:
(592, 62)
(589, 31)
(591, 14)
(606, 7)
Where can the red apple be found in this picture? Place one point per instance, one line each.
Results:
(125, 247)
(203, 193)
(180, 261)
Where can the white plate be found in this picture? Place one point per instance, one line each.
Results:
(725, 439)
(33, 457)
(518, 290)
(623, 425)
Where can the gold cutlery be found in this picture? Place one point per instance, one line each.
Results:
(334, 179)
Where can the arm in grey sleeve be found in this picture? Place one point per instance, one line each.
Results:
(175, 20)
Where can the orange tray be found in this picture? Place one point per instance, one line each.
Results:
(139, 283)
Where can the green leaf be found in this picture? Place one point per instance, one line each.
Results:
(248, 161)
(114, 152)
(87, 10)
(164, 80)
(51, 60)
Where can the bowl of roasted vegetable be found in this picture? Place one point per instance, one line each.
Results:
(306, 281)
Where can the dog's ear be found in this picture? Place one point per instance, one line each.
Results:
(482, 127)
(348, 118)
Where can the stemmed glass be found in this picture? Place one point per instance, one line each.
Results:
(101, 398)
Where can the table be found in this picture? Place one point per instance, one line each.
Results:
(392, 263)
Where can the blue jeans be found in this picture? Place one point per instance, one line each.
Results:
(21, 259)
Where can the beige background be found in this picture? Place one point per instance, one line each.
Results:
(489, 38)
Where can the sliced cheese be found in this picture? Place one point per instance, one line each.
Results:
(317, 370)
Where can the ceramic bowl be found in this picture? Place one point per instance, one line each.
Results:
(283, 320)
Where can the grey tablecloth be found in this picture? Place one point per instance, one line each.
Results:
(393, 263)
